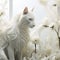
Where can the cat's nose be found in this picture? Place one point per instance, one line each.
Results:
(33, 25)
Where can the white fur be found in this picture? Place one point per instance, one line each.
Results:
(2, 55)
(17, 34)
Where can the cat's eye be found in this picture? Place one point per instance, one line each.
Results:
(54, 4)
(30, 19)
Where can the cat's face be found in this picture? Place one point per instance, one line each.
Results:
(29, 17)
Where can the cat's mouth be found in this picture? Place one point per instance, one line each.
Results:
(32, 26)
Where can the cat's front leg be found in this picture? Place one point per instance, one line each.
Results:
(11, 53)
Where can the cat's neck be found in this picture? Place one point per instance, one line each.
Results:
(24, 30)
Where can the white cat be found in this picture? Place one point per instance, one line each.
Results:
(18, 35)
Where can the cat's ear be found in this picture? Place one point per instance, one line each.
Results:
(25, 11)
